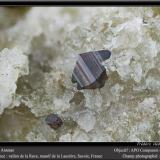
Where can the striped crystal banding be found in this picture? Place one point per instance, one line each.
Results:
(89, 68)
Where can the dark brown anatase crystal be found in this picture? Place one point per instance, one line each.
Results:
(54, 121)
(89, 73)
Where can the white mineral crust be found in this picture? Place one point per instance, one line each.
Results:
(13, 64)
(37, 57)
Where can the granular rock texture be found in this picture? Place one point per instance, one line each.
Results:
(37, 56)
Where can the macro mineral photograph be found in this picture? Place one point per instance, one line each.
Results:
(79, 74)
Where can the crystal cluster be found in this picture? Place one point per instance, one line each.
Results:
(38, 51)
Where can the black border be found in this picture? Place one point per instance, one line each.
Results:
(79, 3)
(60, 144)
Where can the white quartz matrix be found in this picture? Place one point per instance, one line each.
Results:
(38, 51)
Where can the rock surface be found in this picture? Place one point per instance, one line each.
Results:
(13, 64)
(37, 56)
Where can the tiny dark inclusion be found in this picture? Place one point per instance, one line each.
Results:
(89, 73)
(54, 121)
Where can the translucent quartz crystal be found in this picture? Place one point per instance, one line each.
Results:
(86, 120)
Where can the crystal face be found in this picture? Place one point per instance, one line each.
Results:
(89, 73)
